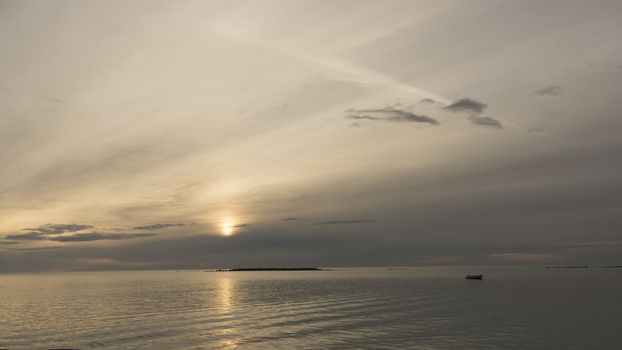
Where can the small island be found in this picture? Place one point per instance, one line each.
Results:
(585, 267)
(270, 269)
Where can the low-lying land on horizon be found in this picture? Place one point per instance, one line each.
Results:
(271, 269)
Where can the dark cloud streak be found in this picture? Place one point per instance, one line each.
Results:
(30, 236)
(467, 105)
(550, 91)
(80, 237)
(389, 114)
(486, 121)
(52, 229)
(156, 226)
(98, 236)
(344, 222)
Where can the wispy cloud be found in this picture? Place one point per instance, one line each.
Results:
(9, 243)
(98, 236)
(467, 105)
(550, 91)
(35, 249)
(344, 222)
(389, 114)
(290, 219)
(486, 121)
(78, 237)
(51, 229)
(156, 226)
(30, 236)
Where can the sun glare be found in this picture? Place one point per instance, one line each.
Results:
(227, 229)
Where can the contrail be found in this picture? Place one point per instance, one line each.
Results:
(350, 71)
(363, 75)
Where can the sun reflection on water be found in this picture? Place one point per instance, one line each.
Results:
(226, 300)
(225, 294)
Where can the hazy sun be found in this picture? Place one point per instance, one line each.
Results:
(227, 229)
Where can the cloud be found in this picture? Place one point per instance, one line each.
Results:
(427, 100)
(476, 107)
(363, 117)
(54, 233)
(97, 236)
(389, 114)
(36, 249)
(344, 222)
(79, 237)
(53, 229)
(486, 121)
(468, 105)
(30, 236)
(290, 219)
(242, 225)
(550, 91)
(156, 226)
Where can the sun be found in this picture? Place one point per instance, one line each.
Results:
(227, 229)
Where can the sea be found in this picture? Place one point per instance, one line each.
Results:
(339, 308)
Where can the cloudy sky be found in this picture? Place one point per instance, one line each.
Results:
(194, 134)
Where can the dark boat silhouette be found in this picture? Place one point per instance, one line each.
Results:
(474, 277)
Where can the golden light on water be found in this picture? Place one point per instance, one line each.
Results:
(225, 293)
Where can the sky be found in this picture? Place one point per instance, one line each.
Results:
(207, 134)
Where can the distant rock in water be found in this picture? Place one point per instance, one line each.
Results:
(271, 269)
(474, 277)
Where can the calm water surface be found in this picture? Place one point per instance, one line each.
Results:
(414, 308)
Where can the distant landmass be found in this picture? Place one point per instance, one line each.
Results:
(585, 267)
(270, 269)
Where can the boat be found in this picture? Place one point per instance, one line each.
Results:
(474, 277)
